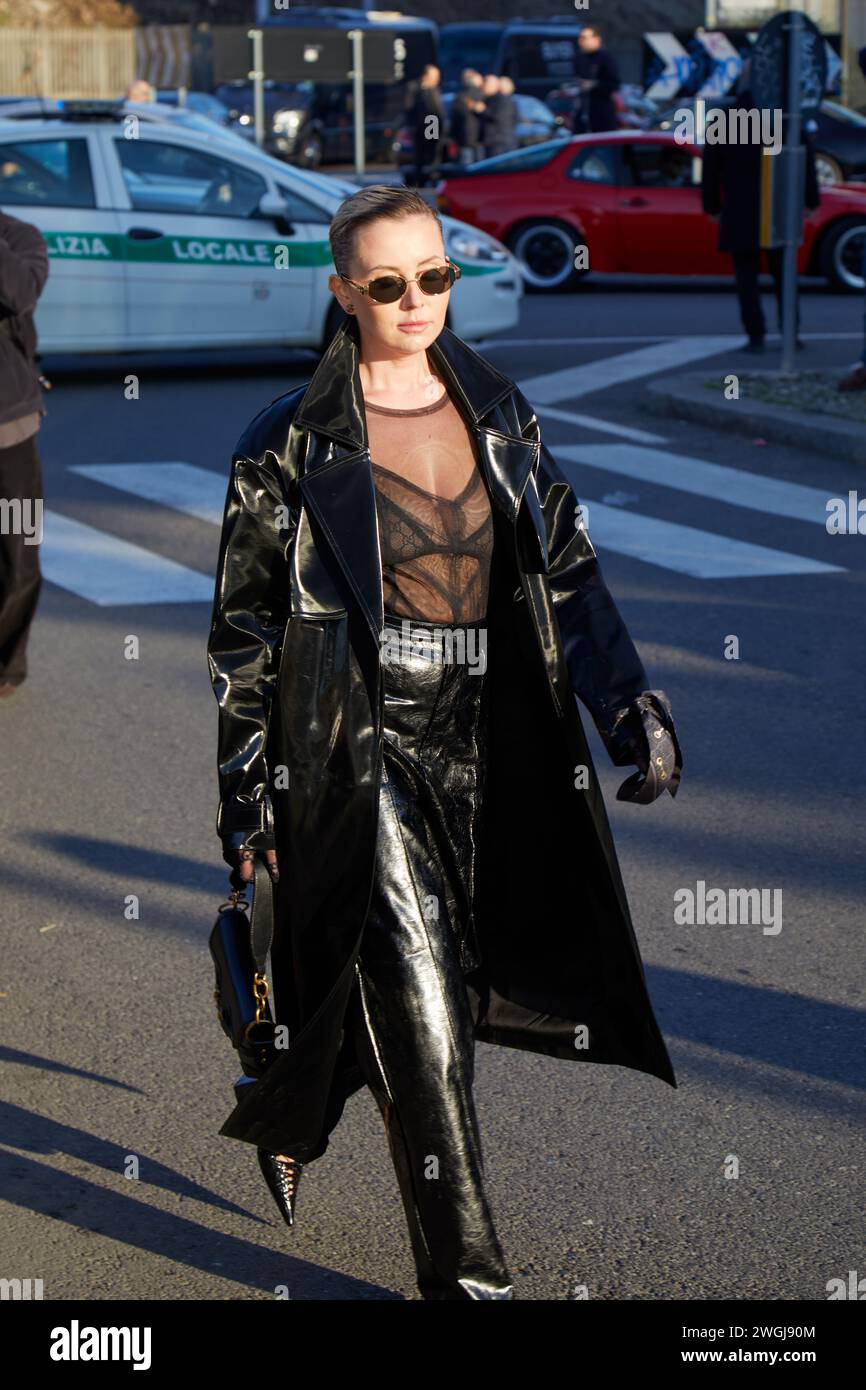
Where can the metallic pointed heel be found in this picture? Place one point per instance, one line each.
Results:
(283, 1177)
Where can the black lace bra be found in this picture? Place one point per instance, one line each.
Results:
(436, 536)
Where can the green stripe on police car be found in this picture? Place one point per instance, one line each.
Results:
(205, 251)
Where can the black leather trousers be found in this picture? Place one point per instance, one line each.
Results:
(410, 1016)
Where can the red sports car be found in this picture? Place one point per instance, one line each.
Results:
(633, 200)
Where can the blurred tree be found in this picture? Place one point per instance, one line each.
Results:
(73, 14)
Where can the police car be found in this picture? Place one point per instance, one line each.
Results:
(164, 235)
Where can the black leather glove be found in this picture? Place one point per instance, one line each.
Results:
(643, 733)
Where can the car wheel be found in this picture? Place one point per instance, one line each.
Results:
(546, 252)
(842, 256)
(828, 170)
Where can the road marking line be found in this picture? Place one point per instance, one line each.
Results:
(572, 382)
(198, 492)
(687, 550)
(591, 422)
(732, 485)
(111, 572)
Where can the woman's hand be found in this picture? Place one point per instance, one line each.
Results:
(240, 858)
(647, 737)
(244, 870)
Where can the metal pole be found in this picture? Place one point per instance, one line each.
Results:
(258, 80)
(700, 137)
(793, 193)
(357, 75)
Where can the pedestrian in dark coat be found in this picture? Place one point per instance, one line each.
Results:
(425, 115)
(23, 273)
(358, 777)
(466, 118)
(731, 193)
(508, 116)
(499, 117)
(597, 78)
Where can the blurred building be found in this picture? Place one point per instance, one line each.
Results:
(624, 21)
(622, 18)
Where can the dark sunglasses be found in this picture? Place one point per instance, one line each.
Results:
(387, 289)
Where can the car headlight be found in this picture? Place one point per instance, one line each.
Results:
(287, 122)
(462, 244)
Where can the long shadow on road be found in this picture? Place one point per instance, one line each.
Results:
(84, 1205)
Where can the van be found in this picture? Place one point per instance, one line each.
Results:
(537, 54)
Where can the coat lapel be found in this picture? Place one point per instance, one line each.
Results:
(337, 483)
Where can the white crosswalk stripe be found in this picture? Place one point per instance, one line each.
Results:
(111, 572)
(573, 382)
(593, 422)
(688, 550)
(735, 486)
(198, 492)
(108, 571)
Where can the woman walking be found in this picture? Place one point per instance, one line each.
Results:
(406, 606)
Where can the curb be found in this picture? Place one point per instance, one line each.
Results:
(690, 400)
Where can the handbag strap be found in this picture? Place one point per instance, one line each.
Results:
(261, 914)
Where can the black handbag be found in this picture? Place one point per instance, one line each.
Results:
(239, 946)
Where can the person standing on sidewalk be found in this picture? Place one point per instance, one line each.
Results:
(507, 120)
(499, 121)
(23, 273)
(731, 194)
(466, 117)
(426, 117)
(597, 79)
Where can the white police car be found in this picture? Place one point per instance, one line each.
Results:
(165, 235)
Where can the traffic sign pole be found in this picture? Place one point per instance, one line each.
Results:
(357, 75)
(257, 77)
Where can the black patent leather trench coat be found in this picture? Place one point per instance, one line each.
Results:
(294, 661)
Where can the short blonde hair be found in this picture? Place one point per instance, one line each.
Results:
(368, 204)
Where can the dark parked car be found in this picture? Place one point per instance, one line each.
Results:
(203, 103)
(838, 135)
(535, 124)
(636, 111)
(312, 123)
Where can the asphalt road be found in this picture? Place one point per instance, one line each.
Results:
(115, 1182)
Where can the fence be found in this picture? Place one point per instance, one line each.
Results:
(93, 62)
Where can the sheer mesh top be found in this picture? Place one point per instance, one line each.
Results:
(435, 519)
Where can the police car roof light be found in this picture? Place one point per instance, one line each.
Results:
(89, 109)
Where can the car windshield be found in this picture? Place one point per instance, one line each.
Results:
(327, 191)
(516, 161)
